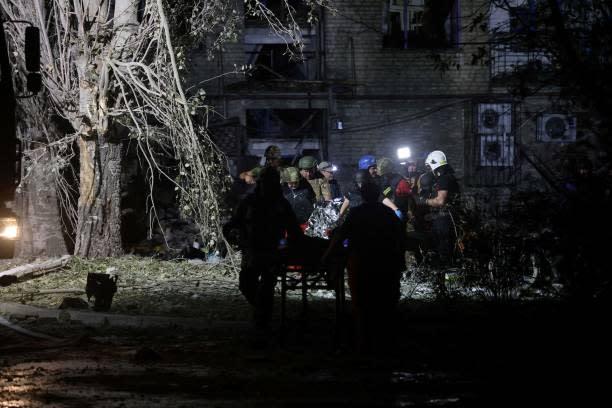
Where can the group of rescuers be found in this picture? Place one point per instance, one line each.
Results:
(383, 215)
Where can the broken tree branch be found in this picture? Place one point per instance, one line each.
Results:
(28, 271)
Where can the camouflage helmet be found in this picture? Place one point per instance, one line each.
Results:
(385, 166)
(291, 175)
(272, 152)
(307, 163)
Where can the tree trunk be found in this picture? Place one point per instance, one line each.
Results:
(99, 210)
(38, 207)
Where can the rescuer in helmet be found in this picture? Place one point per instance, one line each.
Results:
(329, 186)
(308, 171)
(444, 194)
(368, 162)
(353, 197)
(395, 188)
(272, 158)
(299, 194)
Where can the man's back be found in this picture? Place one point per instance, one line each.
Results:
(374, 233)
(301, 200)
(263, 222)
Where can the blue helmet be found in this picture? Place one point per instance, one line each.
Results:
(367, 161)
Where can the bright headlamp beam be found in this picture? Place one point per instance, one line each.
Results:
(403, 153)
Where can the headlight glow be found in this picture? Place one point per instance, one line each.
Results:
(9, 228)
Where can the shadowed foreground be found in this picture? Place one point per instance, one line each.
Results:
(459, 354)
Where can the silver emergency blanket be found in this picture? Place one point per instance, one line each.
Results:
(324, 218)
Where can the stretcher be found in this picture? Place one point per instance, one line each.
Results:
(302, 270)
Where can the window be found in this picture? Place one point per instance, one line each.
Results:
(273, 62)
(295, 131)
(513, 26)
(284, 123)
(421, 23)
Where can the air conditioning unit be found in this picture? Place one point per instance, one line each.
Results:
(494, 118)
(556, 128)
(496, 151)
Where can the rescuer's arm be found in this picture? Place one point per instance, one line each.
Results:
(345, 206)
(439, 200)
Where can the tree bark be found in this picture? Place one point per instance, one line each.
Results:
(38, 207)
(99, 208)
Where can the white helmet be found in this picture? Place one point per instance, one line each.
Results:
(436, 159)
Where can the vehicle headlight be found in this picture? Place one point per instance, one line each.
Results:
(9, 228)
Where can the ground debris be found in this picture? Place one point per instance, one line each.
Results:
(146, 286)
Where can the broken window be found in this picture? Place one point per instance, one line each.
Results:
(295, 131)
(421, 23)
(274, 62)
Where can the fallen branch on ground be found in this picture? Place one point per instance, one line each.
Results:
(25, 272)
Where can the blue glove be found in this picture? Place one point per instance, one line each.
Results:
(399, 214)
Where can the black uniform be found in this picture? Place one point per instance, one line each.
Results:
(354, 194)
(375, 261)
(262, 218)
(442, 221)
(301, 200)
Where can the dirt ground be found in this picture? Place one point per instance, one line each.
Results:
(457, 353)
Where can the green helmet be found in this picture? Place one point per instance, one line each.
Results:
(385, 166)
(307, 163)
(291, 175)
(272, 152)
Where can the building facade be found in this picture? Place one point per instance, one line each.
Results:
(381, 74)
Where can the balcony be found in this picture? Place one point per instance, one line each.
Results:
(508, 61)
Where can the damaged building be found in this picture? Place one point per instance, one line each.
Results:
(377, 75)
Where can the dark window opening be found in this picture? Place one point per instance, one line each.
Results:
(299, 8)
(421, 23)
(296, 131)
(274, 62)
(284, 123)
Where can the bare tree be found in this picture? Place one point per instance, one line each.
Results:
(113, 70)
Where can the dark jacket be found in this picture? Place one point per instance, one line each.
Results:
(301, 200)
(376, 236)
(263, 223)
